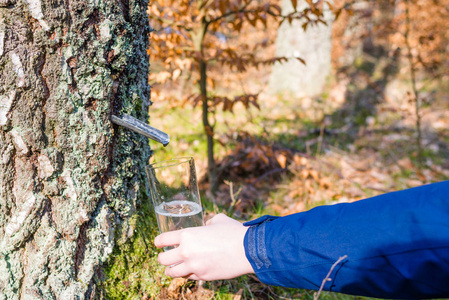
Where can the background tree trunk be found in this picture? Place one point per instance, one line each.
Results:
(313, 45)
(67, 175)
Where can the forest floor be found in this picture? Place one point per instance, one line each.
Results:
(295, 154)
(290, 156)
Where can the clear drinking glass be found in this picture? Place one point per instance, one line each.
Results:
(174, 192)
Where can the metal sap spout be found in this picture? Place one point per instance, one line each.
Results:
(142, 128)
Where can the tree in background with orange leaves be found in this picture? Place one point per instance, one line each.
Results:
(193, 37)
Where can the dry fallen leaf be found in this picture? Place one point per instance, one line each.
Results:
(405, 163)
(175, 285)
(281, 160)
(239, 294)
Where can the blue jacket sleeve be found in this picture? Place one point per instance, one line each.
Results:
(397, 246)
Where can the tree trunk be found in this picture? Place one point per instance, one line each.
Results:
(67, 175)
(313, 45)
(208, 129)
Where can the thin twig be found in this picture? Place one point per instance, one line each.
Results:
(320, 140)
(416, 97)
(234, 202)
(230, 13)
(249, 290)
(326, 279)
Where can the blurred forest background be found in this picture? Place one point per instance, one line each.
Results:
(286, 105)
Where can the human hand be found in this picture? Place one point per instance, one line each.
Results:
(210, 252)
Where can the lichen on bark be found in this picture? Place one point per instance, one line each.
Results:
(68, 176)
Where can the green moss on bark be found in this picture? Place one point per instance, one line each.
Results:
(133, 270)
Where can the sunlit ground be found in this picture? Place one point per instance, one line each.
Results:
(329, 155)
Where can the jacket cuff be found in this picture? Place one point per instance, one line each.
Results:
(254, 242)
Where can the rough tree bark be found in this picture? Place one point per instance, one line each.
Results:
(68, 177)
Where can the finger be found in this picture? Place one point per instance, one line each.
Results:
(193, 277)
(170, 257)
(171, 238)
(180, 270)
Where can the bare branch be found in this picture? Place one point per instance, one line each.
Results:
(230, 13)
(326, 279)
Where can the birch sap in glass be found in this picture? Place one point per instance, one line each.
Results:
(174, 191)
(178, 214)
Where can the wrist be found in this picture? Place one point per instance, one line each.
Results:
(246, 266)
